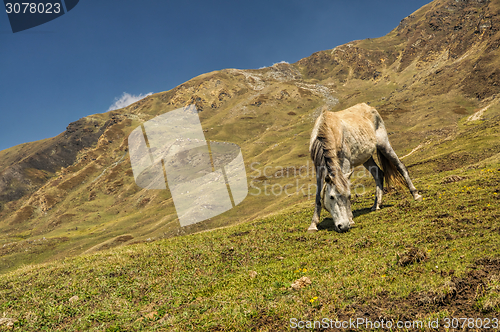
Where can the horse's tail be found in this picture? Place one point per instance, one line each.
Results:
(391, 173)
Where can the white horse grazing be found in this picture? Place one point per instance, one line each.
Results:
(341, 141)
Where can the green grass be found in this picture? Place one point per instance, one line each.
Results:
(207, 281)
(239, 277)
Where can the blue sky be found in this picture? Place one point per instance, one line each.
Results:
(82, 62)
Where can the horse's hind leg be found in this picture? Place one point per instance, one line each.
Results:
(378, 175)
(387, 150)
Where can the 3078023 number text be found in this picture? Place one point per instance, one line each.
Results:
(33, 8)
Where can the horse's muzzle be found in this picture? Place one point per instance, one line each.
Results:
(343, 229)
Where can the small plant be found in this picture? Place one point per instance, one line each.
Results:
(314, 301)
(411, 256)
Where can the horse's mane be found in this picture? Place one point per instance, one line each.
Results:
(326, 146)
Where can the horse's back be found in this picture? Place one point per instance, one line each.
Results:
(358, 116)
(359, 112)
(359, 125)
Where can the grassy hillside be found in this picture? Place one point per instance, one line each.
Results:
(114, 256)
(93, 203)
(427, 260)
(409, 261)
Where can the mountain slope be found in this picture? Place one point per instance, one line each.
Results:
(75, 193)
(410, 261)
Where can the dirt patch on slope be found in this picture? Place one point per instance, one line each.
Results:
(458, 296)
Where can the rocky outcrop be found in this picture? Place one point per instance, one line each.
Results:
(454, 44)
(34, 169)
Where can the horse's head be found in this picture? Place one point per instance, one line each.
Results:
(336, 196)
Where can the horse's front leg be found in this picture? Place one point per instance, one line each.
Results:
(318, 205)
(348, 170)
(349, 211)
(315, 219)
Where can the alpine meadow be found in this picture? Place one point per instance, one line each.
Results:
(83, 248)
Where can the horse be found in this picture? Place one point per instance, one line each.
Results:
(341, 141)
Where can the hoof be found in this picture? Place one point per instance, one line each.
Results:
(375, 208)
(312, 230)
(418, 198)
